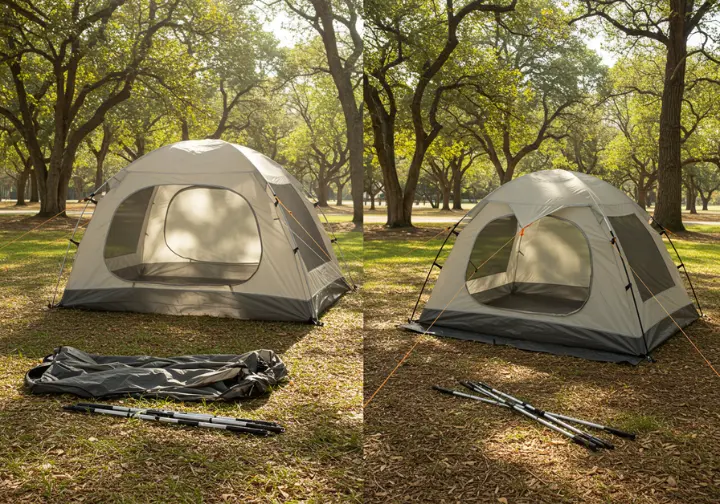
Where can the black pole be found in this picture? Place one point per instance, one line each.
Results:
(682, 263)
(434, 263)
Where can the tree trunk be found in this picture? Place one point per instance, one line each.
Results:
(322, 192)
(688, 195)
(705, 201)
(641, 196)
(357, 169)
(21, 183)
(34, 194)
(446, 197)
(669, 195)
(79, 187)
(340, 188)
(457, 191)
(372, 201)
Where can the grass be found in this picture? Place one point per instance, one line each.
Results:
(50, 456)
(420, 446)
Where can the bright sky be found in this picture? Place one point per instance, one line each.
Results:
(596, 44)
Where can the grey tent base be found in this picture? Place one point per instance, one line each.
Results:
(218, 304)
(553, 338)
(532, 346)
(185, 378)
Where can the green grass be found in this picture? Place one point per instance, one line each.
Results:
(47, 455)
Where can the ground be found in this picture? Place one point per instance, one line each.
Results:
(47, 455)
(420, 446)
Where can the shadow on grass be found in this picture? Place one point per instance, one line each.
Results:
(115, 460)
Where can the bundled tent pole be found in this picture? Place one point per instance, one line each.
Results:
(664, 231)
(164, 419)
(491, 392)
(577, 439)
(240, 422)
(610, 430)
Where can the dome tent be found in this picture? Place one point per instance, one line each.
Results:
(560, 262)
(206, 228)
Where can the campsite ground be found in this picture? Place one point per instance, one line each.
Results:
(420, 446)
(47, 455)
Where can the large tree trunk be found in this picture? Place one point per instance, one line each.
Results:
(343, 79)
(357, 170)
(34, 194)
(383, 125)
(669, 196)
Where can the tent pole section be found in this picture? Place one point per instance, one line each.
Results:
(682, 263)
(434, 263)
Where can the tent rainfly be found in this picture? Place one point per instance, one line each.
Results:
(559, 262)
(206, 228)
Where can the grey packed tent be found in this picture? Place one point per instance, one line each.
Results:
(206, 228)
(537, 267)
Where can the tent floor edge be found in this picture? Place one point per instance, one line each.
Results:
(532, 346)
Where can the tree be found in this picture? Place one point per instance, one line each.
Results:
(19, 161)
(337, 25)
(423, 35)
(72, 63)
(633, 151)
(322, 140)
(542, 73)
(100, 151)
(707, 182)
(668, 23)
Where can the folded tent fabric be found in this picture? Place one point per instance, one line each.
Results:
(186, 378)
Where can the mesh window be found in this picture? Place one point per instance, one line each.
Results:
(126, 226)
(184, 235)
(308, 237)
(546, 270)
(643, 257)
(212, 225)
(493, 236)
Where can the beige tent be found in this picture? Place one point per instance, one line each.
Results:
(206, 228)
(537, 267)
